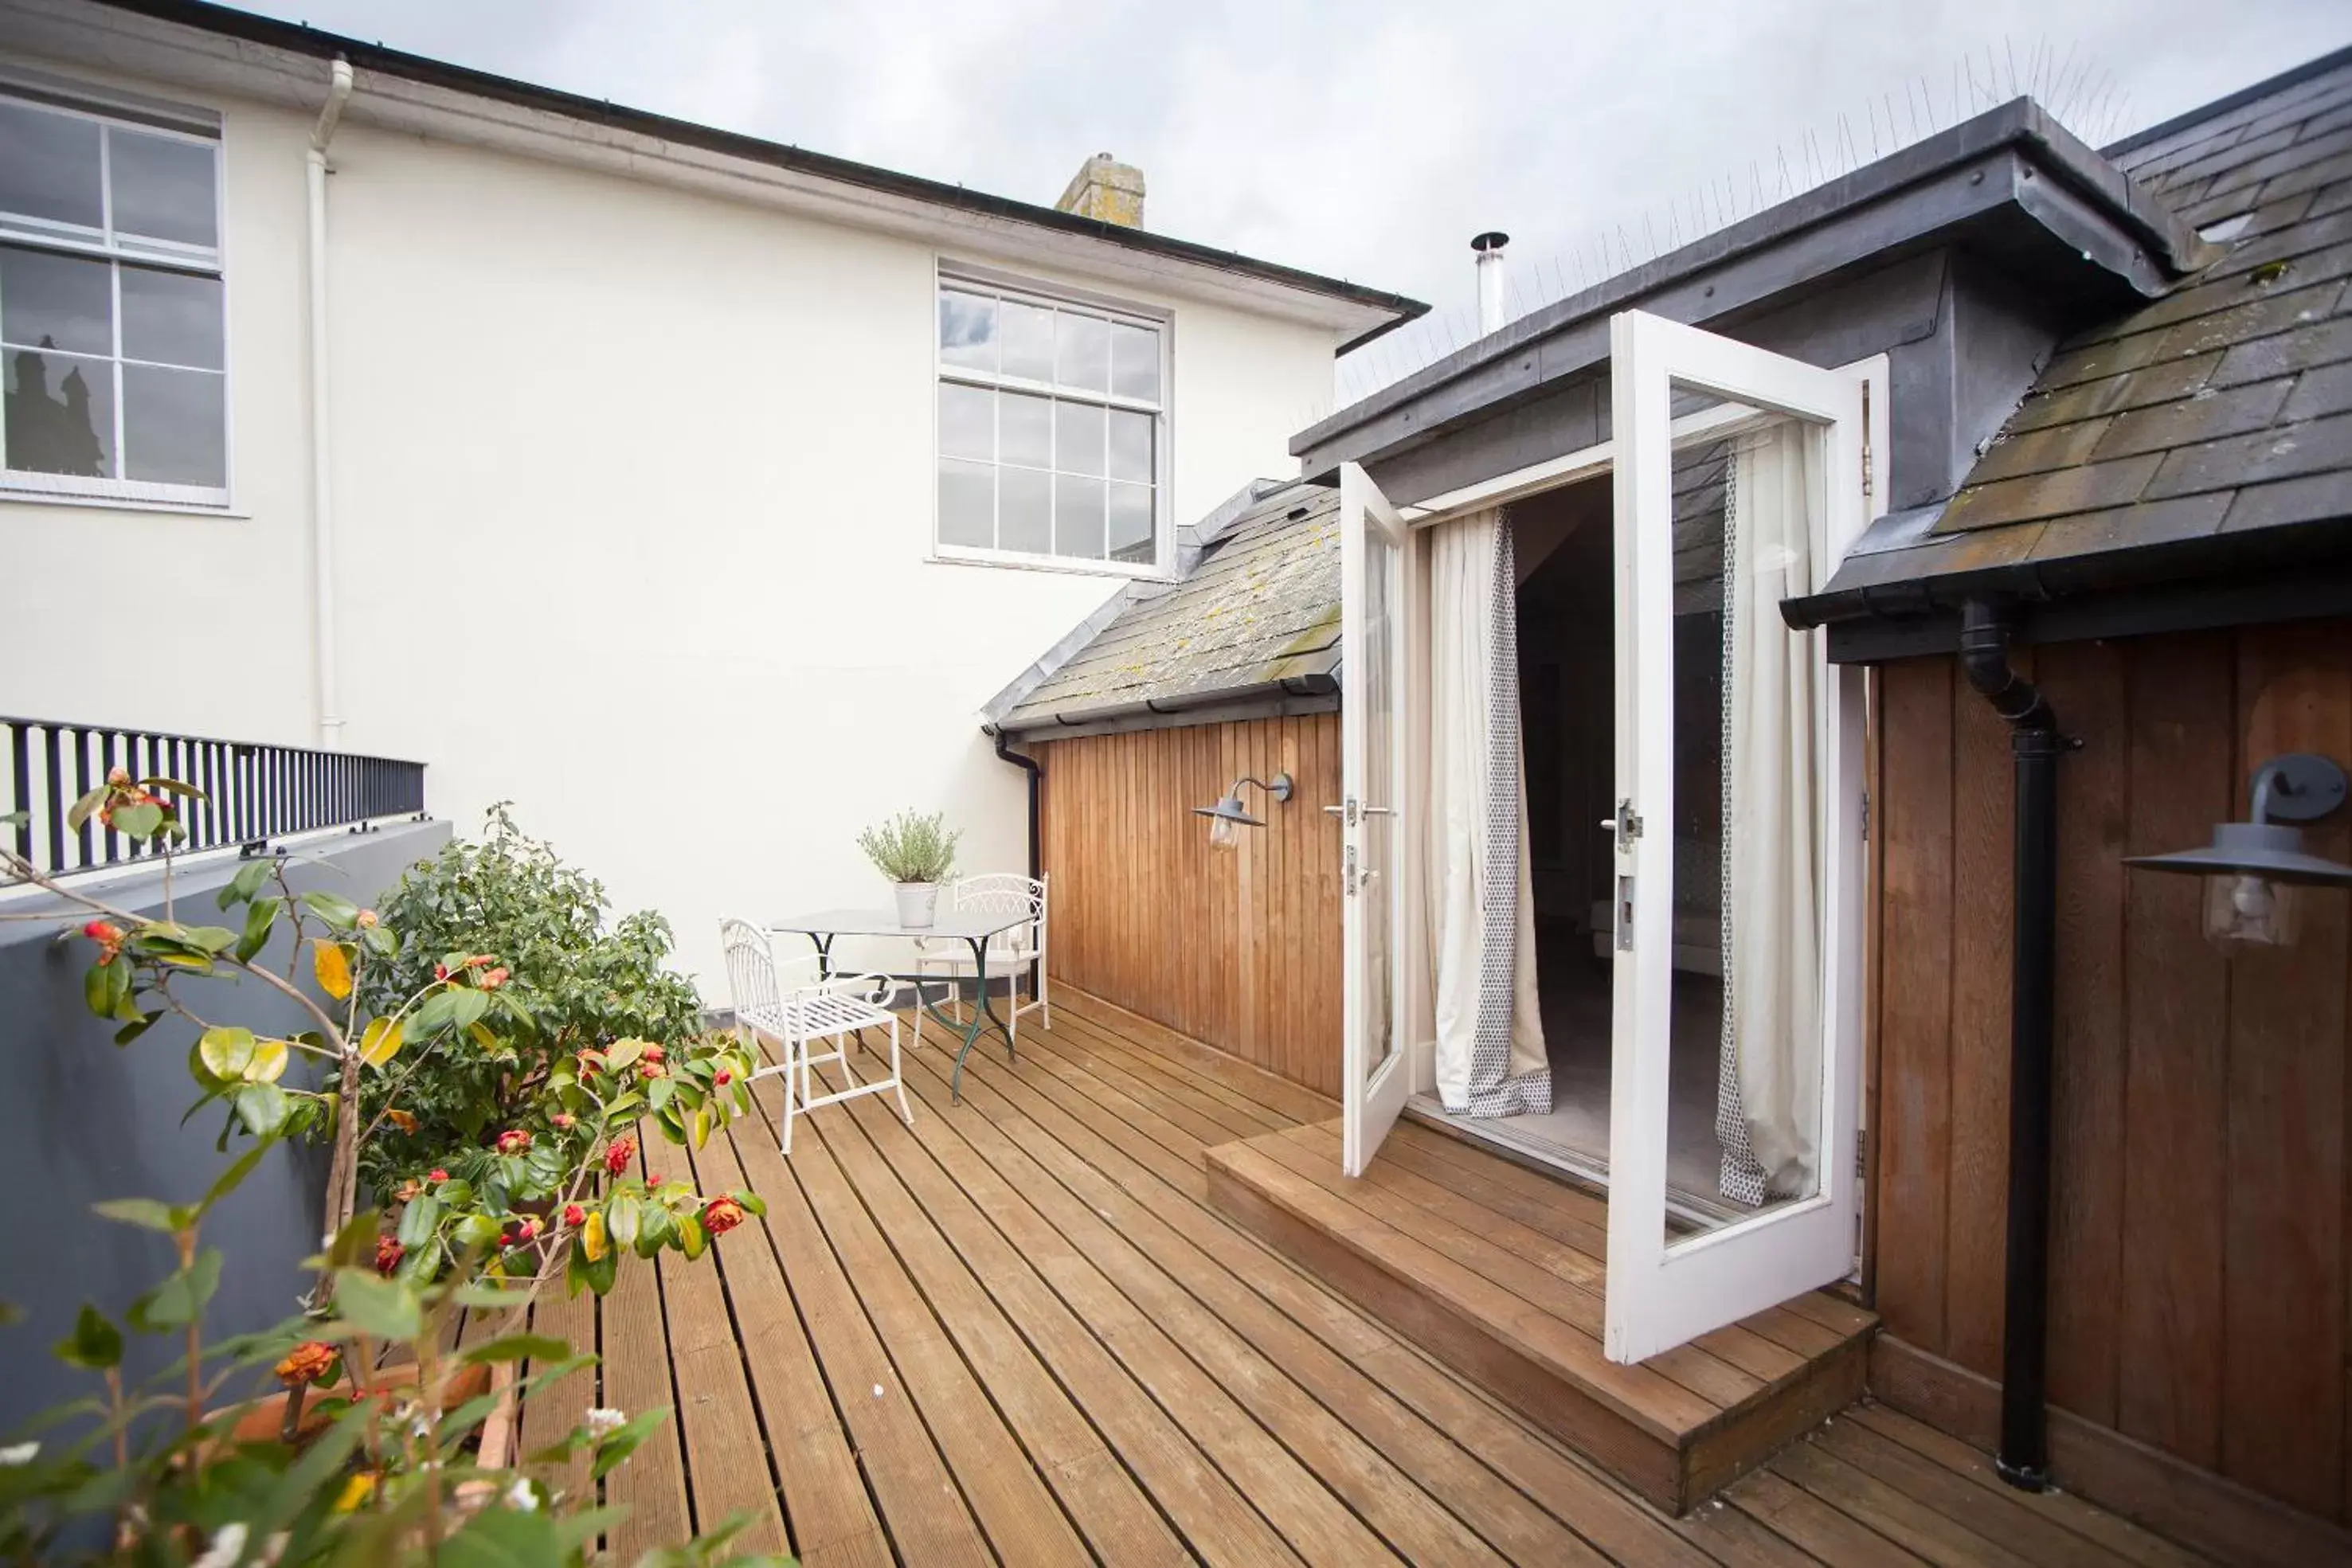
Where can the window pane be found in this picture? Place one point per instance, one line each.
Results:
(48, 166)
(1028, 341)
(1130, 524)
(967, 502)
(1077, 438)
(1077, 517)
(174, 317)
(966, 330)
(1131, 445)
(1082, 351)
(1135, 361)
(53, 301)
(1028, 511)
(1026, 431)
(60, 413)
(967, 416)
(162, 188)
(174, 426)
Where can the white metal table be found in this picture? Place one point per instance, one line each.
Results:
(972, 928)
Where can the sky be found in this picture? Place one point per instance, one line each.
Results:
(1369, 140)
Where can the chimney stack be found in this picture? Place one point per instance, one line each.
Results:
(1489, 248)
(1107, 189)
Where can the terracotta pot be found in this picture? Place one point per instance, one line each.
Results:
(263, 1420)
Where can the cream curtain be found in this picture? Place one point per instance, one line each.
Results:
(1490, 1044)
(1770, 1098)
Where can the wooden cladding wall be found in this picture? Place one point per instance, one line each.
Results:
(2199, 1253)
(1239, 949)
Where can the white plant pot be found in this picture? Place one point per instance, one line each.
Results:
(919, 902)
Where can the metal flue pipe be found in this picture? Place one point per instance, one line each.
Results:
(1491, 310)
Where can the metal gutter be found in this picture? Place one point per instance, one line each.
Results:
(1046, 726)
(2012, 156)
(224, 22)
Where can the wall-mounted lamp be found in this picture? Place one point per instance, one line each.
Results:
(1226, 818)
(2251, 869)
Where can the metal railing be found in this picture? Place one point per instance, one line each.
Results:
(253, 792)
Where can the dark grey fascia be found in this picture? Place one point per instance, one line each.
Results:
(1216, 704)
(2010, 169)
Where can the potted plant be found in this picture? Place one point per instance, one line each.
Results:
(916, 852)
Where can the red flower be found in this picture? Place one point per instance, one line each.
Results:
(651, 1070)
(522, 1231)
(479, 959)
(108, 937)
(513, 1140)
(437, 1174)
(619, 1153)
(311, 1362)
(653, 1052)
(564, 1119)
(118, 776)
(440, 971)
(653, 1178)
(388, 1254)
(574, 1215)
(493, 978)
(721, 1079)
(722, 1215)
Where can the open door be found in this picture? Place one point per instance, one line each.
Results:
(1740, 479)
(1378, 849)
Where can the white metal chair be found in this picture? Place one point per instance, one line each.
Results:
(1009, 951)
(830, 1009)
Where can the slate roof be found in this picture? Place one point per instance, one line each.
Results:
(1256, 611)
(2219, 411)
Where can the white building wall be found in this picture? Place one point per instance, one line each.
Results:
(633, 505)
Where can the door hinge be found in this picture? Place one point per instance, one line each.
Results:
(1865, 443)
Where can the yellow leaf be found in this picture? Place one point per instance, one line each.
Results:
(380, 1042)
(267, 1063)
(333, 967)
(701, 1126)
(483, 1036)
(592, 1236)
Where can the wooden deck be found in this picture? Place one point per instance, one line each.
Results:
(1018, 1333)
(1498, 1271)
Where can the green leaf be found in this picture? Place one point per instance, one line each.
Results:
(355, 1242)
(210, 938)
(144, 1212)
(228, 1180)
(181, 1298)
(98, 989)
(599, 1272)
(622, 1441)
(259, 918)
(137, 1027)
(388, 1309)
(333, 908)
(655, 1229)
(476, 1230)
(173, 787)
(659, 1094)
(753, 1203)
(261, 1107)
(505, 1538)
(466, 1007)
(226, 1051)
(245, 884)
(419, 1219)
(518, 1347)
(95, 1343)
(621, 1220)
(84, 807)
(138, 821)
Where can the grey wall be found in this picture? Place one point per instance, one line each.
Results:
(82, 1120)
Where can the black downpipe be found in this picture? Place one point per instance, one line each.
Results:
(1036, 772)
(1986, 629)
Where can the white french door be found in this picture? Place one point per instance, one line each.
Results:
(1377, 854)
(1738, 480)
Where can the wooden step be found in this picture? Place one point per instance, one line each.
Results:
(1496, 1271)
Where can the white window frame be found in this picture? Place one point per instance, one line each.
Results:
(196, 127)
(951, 274)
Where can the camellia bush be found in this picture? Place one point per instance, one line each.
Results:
(495, 1108)
(575, 984)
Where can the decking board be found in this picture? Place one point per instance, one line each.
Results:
(1142, 1381)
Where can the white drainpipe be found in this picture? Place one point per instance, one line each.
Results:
(322, 531)
(1490, 246)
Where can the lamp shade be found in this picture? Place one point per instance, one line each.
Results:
(1228, 809)
(2270, 850)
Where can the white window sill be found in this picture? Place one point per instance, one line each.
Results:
(1063, 565)
(10, 496)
